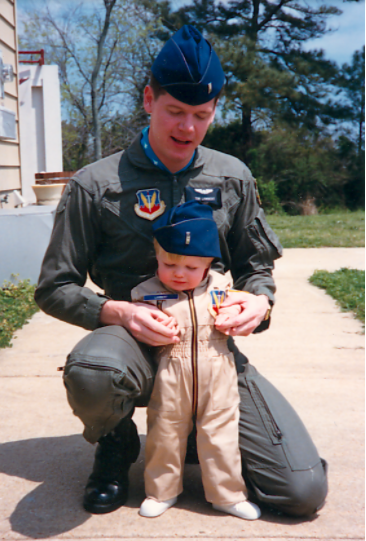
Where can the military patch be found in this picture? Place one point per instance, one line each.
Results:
(149, 205)
(257, 193)
(217, 298)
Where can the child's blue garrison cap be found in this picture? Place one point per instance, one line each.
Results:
(188, 229)
(188, 68)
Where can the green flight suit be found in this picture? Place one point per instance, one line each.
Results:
(103, 228)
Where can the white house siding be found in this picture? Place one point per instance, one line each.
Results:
(10, 168)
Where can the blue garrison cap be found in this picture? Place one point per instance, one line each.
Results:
(188, 68)
(188, 229)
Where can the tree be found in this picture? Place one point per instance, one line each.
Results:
(352, 162)
(104, 53)
(269, 74)
(304, 167)
(352, 83)
(75, 147)
(94, 87)
(351, 143)
(81, 45)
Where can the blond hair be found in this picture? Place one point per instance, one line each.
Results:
(177, 257)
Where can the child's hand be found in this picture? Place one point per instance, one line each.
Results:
(171, 323)
(251, 311)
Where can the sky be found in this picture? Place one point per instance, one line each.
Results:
(348, 33)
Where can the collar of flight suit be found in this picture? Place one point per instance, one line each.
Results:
(138, 158)
(145, 143)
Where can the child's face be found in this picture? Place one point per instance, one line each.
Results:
(186, 273)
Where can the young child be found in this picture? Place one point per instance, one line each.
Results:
(196, 378)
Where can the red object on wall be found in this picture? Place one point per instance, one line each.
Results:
(40, 61)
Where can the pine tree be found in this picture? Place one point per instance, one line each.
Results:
(269, 74)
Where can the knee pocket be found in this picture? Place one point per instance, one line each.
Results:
(106, 361)
(90, 382)
(99, 397)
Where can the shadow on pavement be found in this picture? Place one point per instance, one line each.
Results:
(61, 466)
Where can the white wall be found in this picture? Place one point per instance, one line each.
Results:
(40, 124)
(25, 234)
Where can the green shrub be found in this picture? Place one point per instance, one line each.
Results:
(16, 307)
(269, 199)
(346, 286)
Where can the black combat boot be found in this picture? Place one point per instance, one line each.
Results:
(107, 487)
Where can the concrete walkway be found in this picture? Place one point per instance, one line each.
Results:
(313, 353)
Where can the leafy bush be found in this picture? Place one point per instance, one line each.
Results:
(269, 198)
(346, 286)
(16, 307)
(303, 166)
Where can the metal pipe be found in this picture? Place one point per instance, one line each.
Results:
(40, 61)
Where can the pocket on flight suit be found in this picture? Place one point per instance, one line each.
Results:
(225, 393)
(264, 240)
(283, 425)
(166, 392)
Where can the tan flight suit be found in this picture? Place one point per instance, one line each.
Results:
(196, 379)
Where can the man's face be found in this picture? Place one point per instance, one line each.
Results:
(176, 129)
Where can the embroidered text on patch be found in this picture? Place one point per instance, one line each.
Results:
(160, 296)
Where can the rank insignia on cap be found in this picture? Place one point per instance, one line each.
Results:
(149, 205)
(209, 88)
(217, 298)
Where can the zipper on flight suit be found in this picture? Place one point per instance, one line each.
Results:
(194, 351)
(274, 426)
(91, 366)
(175, 191)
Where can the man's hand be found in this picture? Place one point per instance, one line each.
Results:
(146, 323)
(250, 309)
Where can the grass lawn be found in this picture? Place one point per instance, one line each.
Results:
(336, 229)
(16, 307)
(346, 286)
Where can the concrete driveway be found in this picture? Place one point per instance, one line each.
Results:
(313, 353)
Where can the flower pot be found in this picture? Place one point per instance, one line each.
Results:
(48, 194)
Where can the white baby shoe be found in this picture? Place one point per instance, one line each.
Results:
(152, 508)
(245, 510)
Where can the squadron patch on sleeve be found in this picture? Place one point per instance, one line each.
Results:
(257, 193)
(149, 204)
(217, 298)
